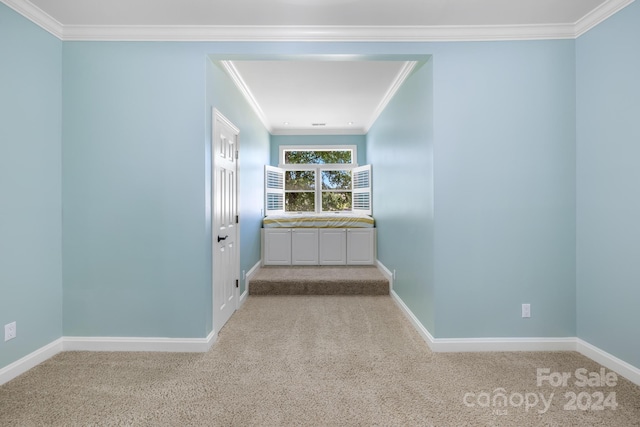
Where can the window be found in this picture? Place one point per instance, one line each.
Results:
(336, 190)
(324, 171)
(318, 156)
(300, 193)
(300, 190)
(317, 179)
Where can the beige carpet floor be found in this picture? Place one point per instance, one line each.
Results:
(310, 361)
(319, 280)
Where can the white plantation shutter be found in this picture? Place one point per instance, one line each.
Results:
(273, 190)
(361, 187)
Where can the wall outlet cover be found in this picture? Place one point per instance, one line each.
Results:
(10, 331)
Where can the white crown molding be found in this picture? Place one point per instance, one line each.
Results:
(37, 16)
(599, 14)
(319, 33)
(306, 131)
(316, 33)
(232, 71)
(403, 74)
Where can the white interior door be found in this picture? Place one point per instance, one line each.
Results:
(224, 228)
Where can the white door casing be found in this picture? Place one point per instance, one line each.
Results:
(224, 227)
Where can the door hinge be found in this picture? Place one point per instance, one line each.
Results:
(236, 154)
(237, 284)
(237, 219)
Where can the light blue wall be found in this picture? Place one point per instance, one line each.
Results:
(479, 217)
(501, 137)
(608, 185)
(358, 140)
(504, 158)
(136, 187)
(136, 147)
(400, 149)
(30, 213)
(134, 246)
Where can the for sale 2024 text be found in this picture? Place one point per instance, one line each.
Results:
(584, 401)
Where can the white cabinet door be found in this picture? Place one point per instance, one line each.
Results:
(277, 246)
(333, 246)
(325, 246)
(304, 246)
(360, 246)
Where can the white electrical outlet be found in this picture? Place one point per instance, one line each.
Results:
(10, 331)
(244, 275)
(526, 310)
(394, 274)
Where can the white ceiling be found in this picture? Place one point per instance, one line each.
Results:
(319, 96)
(303, 92)
(316, 20)
(316, 12)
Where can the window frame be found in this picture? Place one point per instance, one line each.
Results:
(283, 148)
(318, 168)
(320, 191)
(274, 190)
(314, 191)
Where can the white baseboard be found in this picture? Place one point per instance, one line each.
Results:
(253, 270)
(243, 297)
(386, 273)
(424, 333)
(173, 345)
(459, 345)
(247, 281)
(435, 344)
(31, 360)
(607, 360)
(247, 277)
(443, 345)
